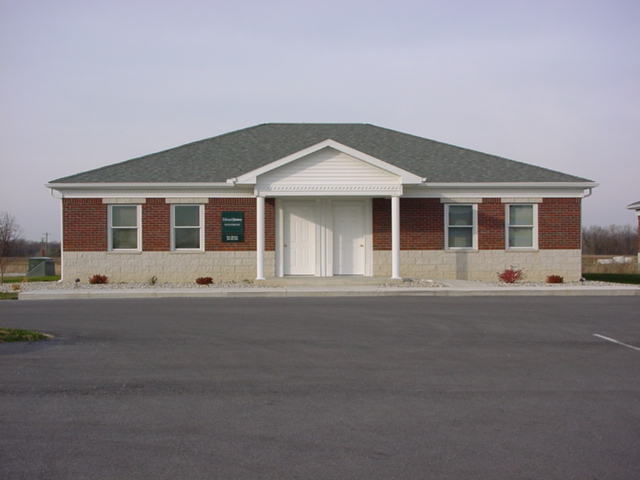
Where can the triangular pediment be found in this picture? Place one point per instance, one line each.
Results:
(329, 162)
(328, 166)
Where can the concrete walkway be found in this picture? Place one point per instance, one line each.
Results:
(461, 289)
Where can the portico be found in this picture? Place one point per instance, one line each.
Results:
(323, 210)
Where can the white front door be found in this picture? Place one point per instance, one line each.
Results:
(349, 221)
(299, 242)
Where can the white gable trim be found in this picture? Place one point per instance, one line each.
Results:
(405, 176)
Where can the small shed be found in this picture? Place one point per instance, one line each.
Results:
(41, 267)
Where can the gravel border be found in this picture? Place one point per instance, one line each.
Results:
(406, 283)
(586, 283)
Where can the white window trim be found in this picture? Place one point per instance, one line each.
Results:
(474, 235)
(138, 227)
(172, 233)
(507, 218)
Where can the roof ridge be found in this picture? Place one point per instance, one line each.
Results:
(315, 123)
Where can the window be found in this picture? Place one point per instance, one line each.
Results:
(124, 227)
(187, 221)
(522, 226)
(461, 226)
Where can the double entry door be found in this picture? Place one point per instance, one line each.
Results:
(325, 237)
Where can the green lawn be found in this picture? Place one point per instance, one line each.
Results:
(633, 278)
(50, 278)
(8, 295)
(17, 335)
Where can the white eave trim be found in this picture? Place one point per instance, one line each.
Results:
(406, 177)
(511, 184)
(634, 206)
(134, 185)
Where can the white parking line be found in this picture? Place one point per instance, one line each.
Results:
(616, 341)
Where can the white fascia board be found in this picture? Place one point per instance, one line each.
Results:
(513, 185)
(452, 190)
(406, 177)
(133, 185)
(634, 206)
(149, 190)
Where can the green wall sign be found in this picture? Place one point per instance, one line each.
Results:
(233, 226)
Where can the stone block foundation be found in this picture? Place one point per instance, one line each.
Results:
(481, 265)
(166, 266)
(241, 265)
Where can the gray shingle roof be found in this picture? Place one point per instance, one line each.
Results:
(230, 155)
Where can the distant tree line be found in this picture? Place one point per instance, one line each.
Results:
(611, 240)
(596, 240)
(33, 248)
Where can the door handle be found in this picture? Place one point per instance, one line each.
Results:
(361, 245)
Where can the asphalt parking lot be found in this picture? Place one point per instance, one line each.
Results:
(323, 388)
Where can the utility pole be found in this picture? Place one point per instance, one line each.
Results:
(45, 244)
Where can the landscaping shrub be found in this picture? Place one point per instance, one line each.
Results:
(204, 280)
(96, 279)
(555, 279)
(510, 275)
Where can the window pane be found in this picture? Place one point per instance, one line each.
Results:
(521, 215)
(521, 237)
(187, 237)
(186, 216)
(460, 215)
(460, 237)
(124, 216)
(124, 238)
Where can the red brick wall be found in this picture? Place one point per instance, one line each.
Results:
(559, 223)
(84, 225)
(156, 225)
(213, 215)
(421, 224)
(381, 223)
(491, 224)
(270, 224)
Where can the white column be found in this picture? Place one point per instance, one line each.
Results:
(395, 237)
(61, 239)
(260, 238)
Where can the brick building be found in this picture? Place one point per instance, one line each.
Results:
(636, 207)
(319, 200)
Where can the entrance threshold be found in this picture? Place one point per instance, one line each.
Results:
(336, 280)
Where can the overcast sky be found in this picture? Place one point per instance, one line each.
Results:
(88, 83)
